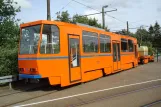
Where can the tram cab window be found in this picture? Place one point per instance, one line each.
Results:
(90, 41)
(105, 43)
(50, 40)
(124, 44)
(131, 46)
(29, 39)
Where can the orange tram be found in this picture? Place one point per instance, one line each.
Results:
(67, 54)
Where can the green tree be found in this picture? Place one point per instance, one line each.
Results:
(124, 32)
(64, 16)
(156, 35)
(9, 35)
(142, 35)
(94, 22)
(80, 19)
(151, 34)
(86, 20)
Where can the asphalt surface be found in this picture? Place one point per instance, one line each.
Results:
(129, 96)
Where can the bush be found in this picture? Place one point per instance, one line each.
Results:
(8, 61)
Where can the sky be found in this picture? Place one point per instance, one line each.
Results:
(136, 12)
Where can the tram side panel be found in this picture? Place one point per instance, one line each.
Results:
(128, 58)
(105, 53)
(90, 59)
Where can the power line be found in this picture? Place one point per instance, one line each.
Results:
(65, 6)
(99, 13)
(130, 28)
(86, 5)
(142, 26)
(115, 18)
(95, 10)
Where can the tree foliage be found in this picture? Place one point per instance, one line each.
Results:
(142, 36)
(155, 34)
(124, 32)
(64, 16)
(9, 35)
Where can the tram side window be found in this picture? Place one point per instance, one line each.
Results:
(131, 46)
(105, 43)
(124, 45)
(90, 41)
(50, 40)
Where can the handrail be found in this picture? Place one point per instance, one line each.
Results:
(45, 45)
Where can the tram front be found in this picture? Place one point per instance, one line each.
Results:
(38, 41)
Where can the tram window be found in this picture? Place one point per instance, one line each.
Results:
(124, 45)
(105, 43)
(131, 46)
(50, 40)
(30, 39)
(90, 41)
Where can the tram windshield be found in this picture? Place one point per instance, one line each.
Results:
(29, 39)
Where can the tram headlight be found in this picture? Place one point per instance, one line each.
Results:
(33, 69)
(21, 70)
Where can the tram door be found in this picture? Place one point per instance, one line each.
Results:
(116, 56)
(74, 58)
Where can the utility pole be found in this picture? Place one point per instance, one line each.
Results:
(103, 16)
(48, 10)
(157, 54)
(127, 28)
(141, 36)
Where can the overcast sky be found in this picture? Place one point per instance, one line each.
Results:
(137, 12)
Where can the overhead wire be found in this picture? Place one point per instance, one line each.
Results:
(65, 5)
(86, 5)
(99, 11)
(92, 9)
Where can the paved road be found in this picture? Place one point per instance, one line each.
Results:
(138, 95)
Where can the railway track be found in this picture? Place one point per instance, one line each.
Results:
(9, 93)
(48, 90)
(17, 90)
(152, 104)
(11, 104)
(30, 98)
(119, 95)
